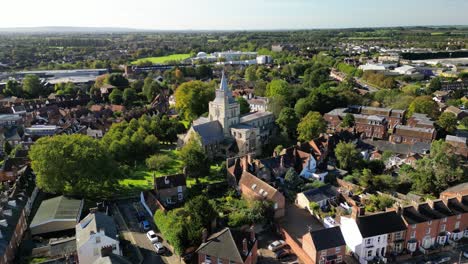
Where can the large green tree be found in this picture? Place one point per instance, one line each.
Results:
(278, 87)
(116, 97)
(72, 164)
(192, 98)
(448, 122)
(32, 86)
(287, 121)
(346, 154)
(244, 105)
(424, 105)
(311, 126)
(194, 158)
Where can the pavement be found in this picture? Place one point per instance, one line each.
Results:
(137, 236)
(455, 255)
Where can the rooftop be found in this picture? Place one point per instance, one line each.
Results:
(253, 116)
(380, 223)
(60, 208)
(328, 238)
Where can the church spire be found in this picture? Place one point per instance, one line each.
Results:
(224, 93)
(223, 86)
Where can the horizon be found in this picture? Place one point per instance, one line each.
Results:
(212, 15)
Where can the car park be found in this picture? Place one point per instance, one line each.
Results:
(152, 236)
(159, 248)
(275, 245)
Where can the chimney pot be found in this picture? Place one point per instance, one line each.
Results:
(252, 233)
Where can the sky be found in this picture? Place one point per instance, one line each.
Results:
(232, 14)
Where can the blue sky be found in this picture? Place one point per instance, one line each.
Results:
(232, 14)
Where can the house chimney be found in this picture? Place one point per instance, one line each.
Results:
(245, 249)
(245, 163)
(357, 211)
(252, 233)
(204, 235)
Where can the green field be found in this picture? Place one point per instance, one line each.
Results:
(160, 60)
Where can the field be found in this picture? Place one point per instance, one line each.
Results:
(161, 60)
(141, 177)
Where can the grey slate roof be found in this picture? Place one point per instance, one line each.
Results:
(58, 208)
(210, 132)
(380, 224)
(226, 244)
(328, 238)
(93, 223)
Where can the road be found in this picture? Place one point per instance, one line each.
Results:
(453, 254)
(366, 86)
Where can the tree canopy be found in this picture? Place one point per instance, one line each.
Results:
(192, 98)
(72, 164)
(311, 126)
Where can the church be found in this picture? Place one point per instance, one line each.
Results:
(225, 133)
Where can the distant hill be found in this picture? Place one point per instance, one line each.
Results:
(67, 30)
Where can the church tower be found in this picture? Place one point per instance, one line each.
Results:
(224, 108)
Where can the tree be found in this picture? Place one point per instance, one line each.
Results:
(348, 120)
(435, 85)
(150, 88)
(424, 105)
(117, 80)
(314, 77)
(464, 122)
(244, 105)
(311, 126)
(137, 85)
(192, 98)
(250, 73)
(278, 87)
(287, 121)
(292, 179)
(32, 86)
(129, 96)
(194, 158)
(7, 147)
(115, 97)
(448, 122)
(346, 154)
(158, 162)
(12, 88)
(72, 164)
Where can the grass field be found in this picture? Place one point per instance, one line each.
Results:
(141, 178)
(160, 60)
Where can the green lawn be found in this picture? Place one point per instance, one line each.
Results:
(163, 59)
(141, 178)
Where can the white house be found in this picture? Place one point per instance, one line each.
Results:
(96, 234)
(405, 70)
(372, 237)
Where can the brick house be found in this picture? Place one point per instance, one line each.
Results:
(420, 120)
(326, 246)
(254, 188)
(229, 246)
(410, 135)
(459, 144)
(13, 224)
(170, 189)
(459, 190)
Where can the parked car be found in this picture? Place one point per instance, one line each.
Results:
(275, 245)
(159, 248)
(152, 236)
(465, 254)
(282, 253)
(146, 225)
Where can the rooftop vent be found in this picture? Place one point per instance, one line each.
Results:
(254, 186)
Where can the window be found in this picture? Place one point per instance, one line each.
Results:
(428, 231)
(429, 223)
(337, 249)
(369, 241)
(413, 234)
(96, 251)
(369, 253)
(180, 196)
(275, 206)
(459, 216)
(442, 228)
(378, 239)
(413, 226)
(114, 246)
(398, 235)
(444, 220)
(457, 225)
(220, 261)
(98, 239)
(207, 259)
(323, 253)
(339, 259)
(179, 189)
